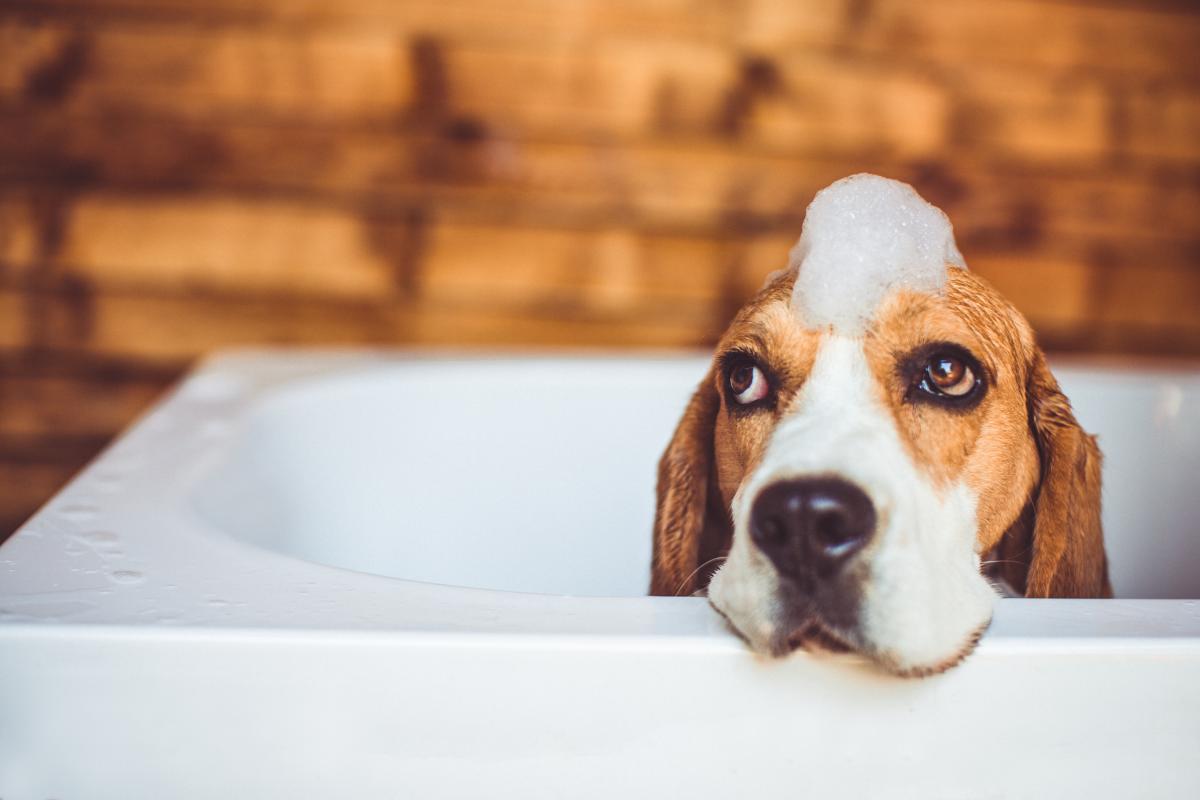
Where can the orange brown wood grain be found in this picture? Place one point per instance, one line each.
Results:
(177, 176)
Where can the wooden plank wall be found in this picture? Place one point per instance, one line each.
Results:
(183, 175)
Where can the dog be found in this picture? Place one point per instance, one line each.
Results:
(877, 451)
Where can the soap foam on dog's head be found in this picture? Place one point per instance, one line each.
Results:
(863, 237)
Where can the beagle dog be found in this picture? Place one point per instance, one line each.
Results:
(878, 448)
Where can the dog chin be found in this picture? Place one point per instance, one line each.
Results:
(814, 635)
(896, 664)
(819, 639)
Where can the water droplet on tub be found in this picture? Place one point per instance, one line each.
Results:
(217, 601)
(127, 576)
(213, 387)
(79, 512)
(157, 422)
(1168, 405)
(99, 537)
(107, 482)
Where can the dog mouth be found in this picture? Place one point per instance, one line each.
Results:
(812, 632)
(815, 636)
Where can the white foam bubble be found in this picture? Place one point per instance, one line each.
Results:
(863, 237)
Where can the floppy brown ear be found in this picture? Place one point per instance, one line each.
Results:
(686, 516)
(1068, 558)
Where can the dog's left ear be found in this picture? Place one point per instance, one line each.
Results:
(1068, 558)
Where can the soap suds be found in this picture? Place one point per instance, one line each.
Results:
(864, 237)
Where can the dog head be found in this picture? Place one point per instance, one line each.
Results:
(875, 422)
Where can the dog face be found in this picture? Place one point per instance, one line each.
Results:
(849, 486)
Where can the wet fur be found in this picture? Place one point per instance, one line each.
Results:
(1035, 471)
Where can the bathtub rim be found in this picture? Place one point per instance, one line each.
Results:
(396, 606)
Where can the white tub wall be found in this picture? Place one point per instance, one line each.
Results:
(557, 458)
(1148, 425)
(172, 657)
(315, 715)
(542, 482)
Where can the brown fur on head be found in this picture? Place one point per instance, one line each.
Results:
(1032, 473)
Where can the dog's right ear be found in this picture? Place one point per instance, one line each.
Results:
(684, 488)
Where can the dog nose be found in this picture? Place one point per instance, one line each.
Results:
(810, 526)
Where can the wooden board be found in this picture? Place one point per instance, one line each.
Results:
(26, 484)
(66, 399)
(1121, 37)
(177, 177)
(791, 100)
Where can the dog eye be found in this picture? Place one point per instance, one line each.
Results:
(747, 384)
(949, 376)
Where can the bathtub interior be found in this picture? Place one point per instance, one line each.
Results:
(537, 475)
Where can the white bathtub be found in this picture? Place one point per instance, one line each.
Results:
(196, 615)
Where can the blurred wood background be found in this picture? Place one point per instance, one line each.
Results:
(183, 175)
